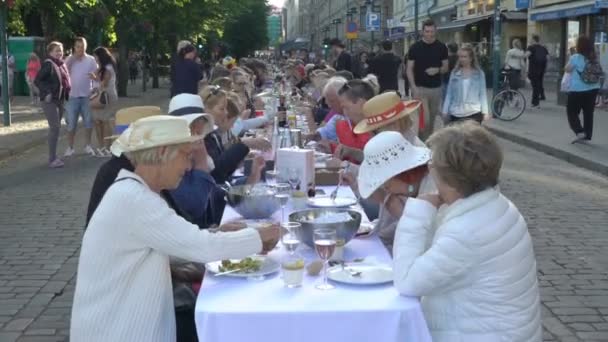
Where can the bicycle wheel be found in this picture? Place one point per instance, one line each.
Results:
(508, 105)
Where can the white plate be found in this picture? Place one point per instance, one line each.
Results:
(370, 274)
(269, 266)
(326, 202)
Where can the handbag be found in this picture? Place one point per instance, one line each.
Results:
(99, 99)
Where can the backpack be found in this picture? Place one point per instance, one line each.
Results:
(592, 73)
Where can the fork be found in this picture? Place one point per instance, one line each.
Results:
(334, 193)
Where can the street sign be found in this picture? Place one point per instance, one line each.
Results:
(372, 21)
(352, 30)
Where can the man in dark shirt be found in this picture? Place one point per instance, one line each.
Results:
(537, 65)
(427, 61)
(344, 60)
(386, 67)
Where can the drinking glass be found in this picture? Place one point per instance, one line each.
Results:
(282, 194)
(292, 270)
(289, 236)
(271, 177)
(325, 244)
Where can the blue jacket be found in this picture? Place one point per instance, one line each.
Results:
(477, 97)
(193, 196)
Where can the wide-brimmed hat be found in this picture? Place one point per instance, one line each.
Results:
(128, 115)
(385, 156)
(154, 131)
(191, 108)
(384, 109)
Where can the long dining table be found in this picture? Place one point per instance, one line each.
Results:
(232, 309)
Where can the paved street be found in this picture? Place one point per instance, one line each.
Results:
(42, 216)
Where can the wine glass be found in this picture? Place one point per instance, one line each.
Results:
(325, 244)
(290, 236)
(283, 191)
(293, 177)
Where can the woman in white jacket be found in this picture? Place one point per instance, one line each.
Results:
(467, 251)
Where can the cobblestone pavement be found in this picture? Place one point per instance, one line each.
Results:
(42, 216)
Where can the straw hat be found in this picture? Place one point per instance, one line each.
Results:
(385, 156)
(154, 131)
(191, 108)
(384, 109)
(128, 115)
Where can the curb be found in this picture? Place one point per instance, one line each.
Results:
(552, 151)
(6, 153)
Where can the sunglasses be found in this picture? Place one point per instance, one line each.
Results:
(215, 89)
(344, 89)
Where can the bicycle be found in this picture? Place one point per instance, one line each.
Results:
(508, 104)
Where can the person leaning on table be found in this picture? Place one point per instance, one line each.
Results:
(467, 251)
(123, 287)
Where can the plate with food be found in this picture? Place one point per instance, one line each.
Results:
(327, 202)
(255, 266)
(361, 274)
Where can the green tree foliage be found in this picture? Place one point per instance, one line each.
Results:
(246, 31)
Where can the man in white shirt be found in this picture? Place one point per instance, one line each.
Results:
(81, 67)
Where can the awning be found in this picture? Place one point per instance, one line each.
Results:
(566, 10)
(457, 24)
(515, 16)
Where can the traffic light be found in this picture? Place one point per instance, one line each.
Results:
(326, 43)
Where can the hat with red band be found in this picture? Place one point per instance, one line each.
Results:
(384, 109)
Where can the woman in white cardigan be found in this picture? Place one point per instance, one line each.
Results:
(123, 288)
(467, 251)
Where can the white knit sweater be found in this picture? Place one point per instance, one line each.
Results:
(123, 288)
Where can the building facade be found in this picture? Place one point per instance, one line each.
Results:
(275, 27)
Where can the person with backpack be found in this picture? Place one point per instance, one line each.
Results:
(537, 65)
(585, 75)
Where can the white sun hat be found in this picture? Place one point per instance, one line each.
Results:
(191, 108)
(385, 156)
(154, 131)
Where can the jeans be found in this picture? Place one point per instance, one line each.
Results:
(538, 91)
(78, 106)
(53, 112)
(431, 101)
(585, 101)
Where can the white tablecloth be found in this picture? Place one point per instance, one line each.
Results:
(240, 310)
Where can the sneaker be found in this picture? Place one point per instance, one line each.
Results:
(89, 150)
(579, 137)
(68, 152)
(57, 163)
(106, 152)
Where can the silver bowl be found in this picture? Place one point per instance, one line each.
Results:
(257, 204)
(344, 230)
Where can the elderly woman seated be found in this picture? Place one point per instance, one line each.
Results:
(123, 288)
(467, 251)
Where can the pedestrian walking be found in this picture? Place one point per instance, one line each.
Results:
(427, 60)
(81, 66)
(466, 96)
(585, 74)
(515, 65)
(11, 75)
(537, 65)
(386, 67)
(33, 67)
(452, 61)
(362, 65)
(187, 73)
(343, 59)
(105, 116)
(133, 69)
(53, 82)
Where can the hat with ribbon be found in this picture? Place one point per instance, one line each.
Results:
(128, 115)
(154, 131)
(385, 156)
(191, 108)
(384, 109)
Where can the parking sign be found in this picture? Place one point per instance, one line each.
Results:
(372, 21)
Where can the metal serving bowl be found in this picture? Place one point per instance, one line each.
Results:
(345, 230)
(259, 204)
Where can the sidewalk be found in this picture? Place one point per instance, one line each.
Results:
(29, 126)
(546, 129)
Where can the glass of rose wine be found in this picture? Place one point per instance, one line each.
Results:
(325, 244)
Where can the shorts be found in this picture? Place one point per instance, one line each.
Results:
(78, 106)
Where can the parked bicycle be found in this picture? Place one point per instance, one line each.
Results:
(508, 104)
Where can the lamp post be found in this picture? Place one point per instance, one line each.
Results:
(349, 15)
(4, 7)
(337, 22)
(496, 42)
